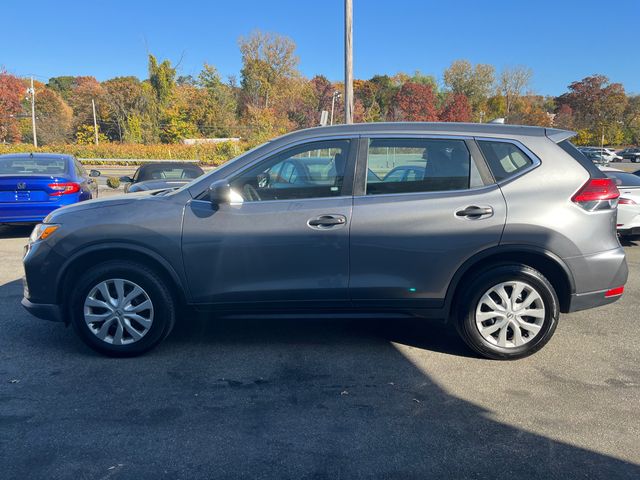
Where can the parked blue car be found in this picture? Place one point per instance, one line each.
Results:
(32, 185)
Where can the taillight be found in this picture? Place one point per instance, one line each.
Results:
(64, 188)
(597, 194)
(626, 201)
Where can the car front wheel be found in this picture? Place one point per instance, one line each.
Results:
(121, 308)
(507, 312)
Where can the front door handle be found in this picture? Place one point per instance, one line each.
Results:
(474, 212)
(327, 221)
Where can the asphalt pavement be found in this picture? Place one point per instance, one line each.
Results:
(317, 399)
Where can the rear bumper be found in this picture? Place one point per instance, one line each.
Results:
(585, 301)
(21, 213)
(594, 275)
(44, 311)
(629, 231)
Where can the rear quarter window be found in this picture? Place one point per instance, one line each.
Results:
(504, 158)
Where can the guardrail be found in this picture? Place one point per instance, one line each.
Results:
(133, 160)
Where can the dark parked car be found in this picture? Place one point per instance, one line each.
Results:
(155, 176)
(632, 154)
(299, 226)
(595, 157)
(32, 185)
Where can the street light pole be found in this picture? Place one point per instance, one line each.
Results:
(335, 96)
(95, 123)
(32, 93)
(348, 61)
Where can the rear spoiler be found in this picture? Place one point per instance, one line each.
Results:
(557, 135)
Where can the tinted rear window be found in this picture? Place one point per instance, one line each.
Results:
(504, 158)
(32, 166)
(587, 163)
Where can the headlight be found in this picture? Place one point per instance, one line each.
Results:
(42, 231)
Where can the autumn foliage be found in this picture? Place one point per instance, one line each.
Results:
(145, 117)
(12, 91)
(417, 103)
(456, 108)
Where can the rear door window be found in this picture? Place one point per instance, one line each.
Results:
(407, 165)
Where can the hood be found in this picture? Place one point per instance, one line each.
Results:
(92, 204)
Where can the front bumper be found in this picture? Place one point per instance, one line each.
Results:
(44, 311)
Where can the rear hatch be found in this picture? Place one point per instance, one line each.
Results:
(30, 188)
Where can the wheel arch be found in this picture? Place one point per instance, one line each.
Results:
(546, 262)
(96, 254)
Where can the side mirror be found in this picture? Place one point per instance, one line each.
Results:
(94, 173)
(219, 192)
(126, 179)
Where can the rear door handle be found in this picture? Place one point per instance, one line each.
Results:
(474, 212)
(327, 221)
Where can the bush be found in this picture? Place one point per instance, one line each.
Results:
(212, 154)
(113, 182)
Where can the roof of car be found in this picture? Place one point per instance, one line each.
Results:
(61, 156)
(473, 129)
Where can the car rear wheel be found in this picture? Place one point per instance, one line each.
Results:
(122, 308)
(507, 312)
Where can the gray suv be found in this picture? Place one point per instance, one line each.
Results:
(494, 228)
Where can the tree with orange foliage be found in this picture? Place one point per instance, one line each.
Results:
(12, 91)
(417, 103)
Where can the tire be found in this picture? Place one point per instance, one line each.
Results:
(534, 332)
(149, 315)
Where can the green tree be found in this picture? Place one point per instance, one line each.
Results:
(474, 81)
(162, 78)
(62, 85)
(85, 135)
(129, 104)
(631, 121)
(267, 60)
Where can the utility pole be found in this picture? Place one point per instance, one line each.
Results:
(95, 124)
(348, 61)
(335, 96)
(32, 92)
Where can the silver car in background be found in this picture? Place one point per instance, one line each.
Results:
(628, 222)
(495, 229)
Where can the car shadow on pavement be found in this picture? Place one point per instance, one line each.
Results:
(15, 231)
(257, 398)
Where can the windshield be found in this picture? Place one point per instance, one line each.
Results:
(218, 167)
(32, 166)
(171, 172)
(623, 179)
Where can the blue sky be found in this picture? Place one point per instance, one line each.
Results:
(561, 40)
